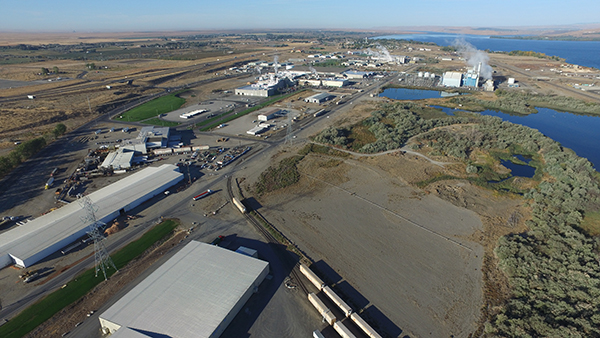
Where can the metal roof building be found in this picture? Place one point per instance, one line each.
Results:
(318, 98)
(120, 159)
(39, 238)
(452, 79)
(196, 293)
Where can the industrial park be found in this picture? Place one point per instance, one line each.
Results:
(195, 196)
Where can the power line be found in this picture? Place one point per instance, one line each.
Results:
(101, 258)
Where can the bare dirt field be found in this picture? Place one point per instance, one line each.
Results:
(406, 252)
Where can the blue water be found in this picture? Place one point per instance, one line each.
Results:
(577, 132)
(519, 169)
(414, 94)
(583, 53)
(580, 133)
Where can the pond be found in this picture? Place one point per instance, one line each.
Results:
(414, 94)
(519, 169)
(574, 131)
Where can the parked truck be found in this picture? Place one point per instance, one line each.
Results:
(49, 183)
(202, 195)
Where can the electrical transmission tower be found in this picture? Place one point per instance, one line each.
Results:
(101, 257)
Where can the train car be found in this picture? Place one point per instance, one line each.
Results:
(239, 205)
(357, 319)
(342, 330)
(347, 310)
(312, 277)
(323, 310)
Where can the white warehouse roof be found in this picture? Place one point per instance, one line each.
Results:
(119, 159)
(37, 239)
(196, 293)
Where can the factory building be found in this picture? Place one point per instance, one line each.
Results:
(353, 74)
(120, 159)
(40, 237)
(452, 79)
(261, 128)
(471, 79)
(311, 82)
(154, 137)
(318, 98)
(334, 82)
(196, 293)
(269, 114)
(252, 90)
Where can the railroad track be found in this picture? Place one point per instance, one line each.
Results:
(278, 247)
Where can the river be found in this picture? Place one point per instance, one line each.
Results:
(577, 132)
(583, 53)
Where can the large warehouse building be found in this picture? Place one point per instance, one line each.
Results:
(39, 238)
(196, 293)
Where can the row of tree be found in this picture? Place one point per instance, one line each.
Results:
(26, 149)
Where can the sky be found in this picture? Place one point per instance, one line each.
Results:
(154, 15)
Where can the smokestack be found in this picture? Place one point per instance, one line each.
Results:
(476, 59)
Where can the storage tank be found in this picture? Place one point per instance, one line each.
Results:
(420, 74)
(312, 277)
(323, 310)
(357, 319)
(342, 330)
(347, 310)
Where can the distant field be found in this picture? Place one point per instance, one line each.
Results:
(153, 108)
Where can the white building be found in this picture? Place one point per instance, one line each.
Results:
(39, 238)
(195, 294)
(452, 79)
(318, 98)
(155, 137)
(268, 115)
(335, 82)
(120, 159)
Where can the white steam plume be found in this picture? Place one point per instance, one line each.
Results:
(474, 57)
(276, 63)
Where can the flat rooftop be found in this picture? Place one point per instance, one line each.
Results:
(194, 294)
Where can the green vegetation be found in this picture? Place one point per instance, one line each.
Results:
(158, 122)
(534, 54)
(388, 128)
(274, 178)
(41, 311)
(154, 107)
(521, 103)
(552, 268)
(20, 154)
(330, 63)
(59, 129)
(210, 123)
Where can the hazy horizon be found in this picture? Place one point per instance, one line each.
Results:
(152, 15)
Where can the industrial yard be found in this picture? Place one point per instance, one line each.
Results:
(353, 248)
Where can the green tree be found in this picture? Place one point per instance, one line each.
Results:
(90, 65)
(59, 129)
(45, 71)
(55, 70)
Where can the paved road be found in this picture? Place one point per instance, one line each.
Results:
(175, 205)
